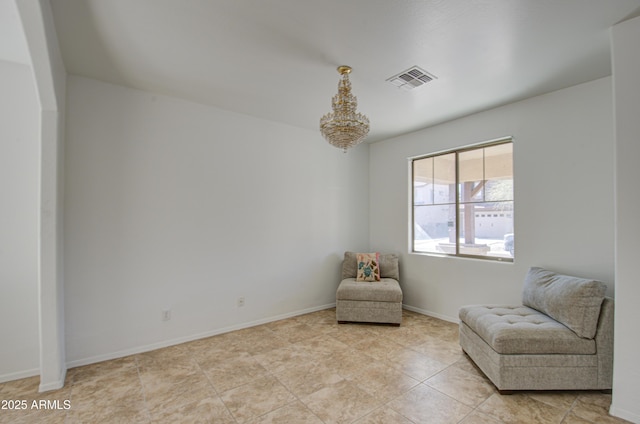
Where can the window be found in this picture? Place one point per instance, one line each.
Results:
(463, 202)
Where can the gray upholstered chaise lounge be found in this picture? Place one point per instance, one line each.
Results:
(376, 301)
(561, 338)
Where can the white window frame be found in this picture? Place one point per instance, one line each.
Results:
(458, 201)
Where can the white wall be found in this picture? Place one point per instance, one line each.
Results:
(626, 68)
(19, 191)
(563, 165)
(49, 76)
(176, 205)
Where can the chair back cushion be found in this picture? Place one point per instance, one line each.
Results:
(572, 301)
(388, 266)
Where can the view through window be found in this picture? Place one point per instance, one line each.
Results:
(463, 202)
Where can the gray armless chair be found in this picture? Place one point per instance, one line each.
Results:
(370, 301)
(559, 338)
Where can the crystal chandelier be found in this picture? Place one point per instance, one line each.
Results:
(344, 127)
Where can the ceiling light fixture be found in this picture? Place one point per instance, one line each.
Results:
(344, 127)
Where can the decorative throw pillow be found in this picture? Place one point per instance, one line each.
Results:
(368, 267)
(388, 265)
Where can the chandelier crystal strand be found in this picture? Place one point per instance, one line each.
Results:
(344, 127)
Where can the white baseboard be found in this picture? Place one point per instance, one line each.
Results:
(19, 375)
(59, 383)
(430, 314)
(179, 340)
(624, 414)
(54, 385)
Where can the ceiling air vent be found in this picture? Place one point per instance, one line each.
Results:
(411, 78)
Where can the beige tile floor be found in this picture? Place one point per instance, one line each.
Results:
(306, 369)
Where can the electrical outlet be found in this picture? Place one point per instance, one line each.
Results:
(240, 302)
(166, 315)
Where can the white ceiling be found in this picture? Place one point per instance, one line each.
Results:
(277, 59)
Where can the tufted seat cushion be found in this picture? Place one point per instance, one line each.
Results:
(385, 290)
(523, 330)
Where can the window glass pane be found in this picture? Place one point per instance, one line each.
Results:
(434, 229)
(444, 171)
(471, 175)
(423, 181)
(498, 164)
(486, 229)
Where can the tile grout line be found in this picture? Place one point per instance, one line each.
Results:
(213, 386)
(309, 349)
(142, 389)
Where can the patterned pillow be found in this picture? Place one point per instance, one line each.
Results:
(368, 267)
